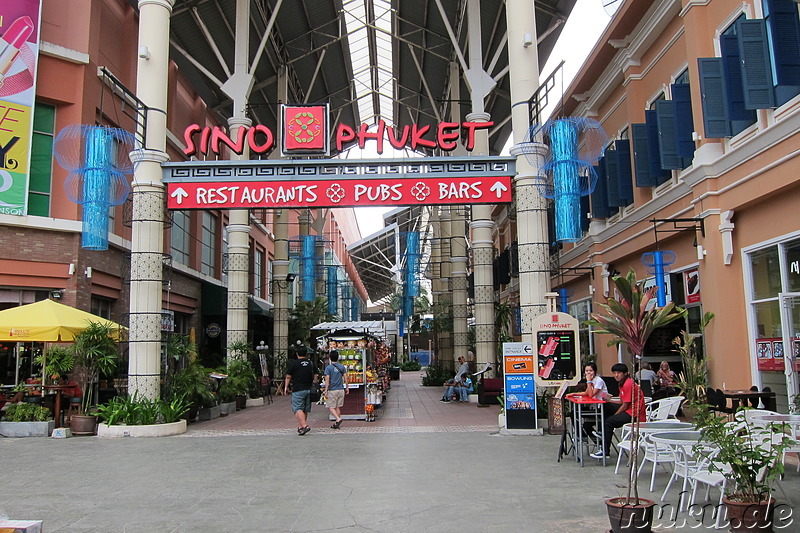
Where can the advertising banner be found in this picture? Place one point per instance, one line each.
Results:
(19, 52)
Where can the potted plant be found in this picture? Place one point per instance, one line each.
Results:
(194, 384)
(693, 380)
(56, 362)
(631, 319)
(240, 381)
(749, 456)
(94, 352)
(26, 420)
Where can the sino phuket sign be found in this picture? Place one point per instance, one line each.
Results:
(258, 184)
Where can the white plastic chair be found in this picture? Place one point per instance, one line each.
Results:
(709, 479)
(685, 465)
(656, 454)
(663, 409)
(624, 444)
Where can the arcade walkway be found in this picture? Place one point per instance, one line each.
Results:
(409, 408)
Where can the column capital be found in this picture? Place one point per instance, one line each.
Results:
(478, 116)
(238, 228)
(145, 155)
(482, 223)
(239, 121)
(166, 4)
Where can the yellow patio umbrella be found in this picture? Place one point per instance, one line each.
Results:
(46, 321)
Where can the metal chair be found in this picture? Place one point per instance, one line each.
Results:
(664, 408)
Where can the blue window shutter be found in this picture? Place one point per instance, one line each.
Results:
(667, 138)
(624, 171)
(756, 68)
(641, 156)
(783, 26)
(714, 97)
(740, 116)
(600, 207)
(612, 190)
(585, 211)
(684, 121)
(661, 175)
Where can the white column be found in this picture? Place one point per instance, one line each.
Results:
(523, 61)
(280, 266)
(238, 264)
(147, 234)
(446, 300)
(482, 224)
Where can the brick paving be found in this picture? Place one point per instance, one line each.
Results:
(409, 408)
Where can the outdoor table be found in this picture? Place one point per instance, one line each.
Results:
(579, 402)
(57, 402)
(739, 398)
(681, 443)
(659, 426)
(777, 417)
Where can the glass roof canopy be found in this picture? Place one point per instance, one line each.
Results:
(369, 25)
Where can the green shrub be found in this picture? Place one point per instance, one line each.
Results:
(27, 412)
(436, 374)
(407, 366)
(139, 411)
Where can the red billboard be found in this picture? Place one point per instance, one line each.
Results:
(338, 192)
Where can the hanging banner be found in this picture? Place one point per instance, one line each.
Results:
(19, 52)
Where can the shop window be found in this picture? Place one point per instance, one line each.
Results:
(258, 273)
(268, 295)
(180, 237)
(768, 319)
(766, 273)
(792, 255)
(41, 167)
(208, 256)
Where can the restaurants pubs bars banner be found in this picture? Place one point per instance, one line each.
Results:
(20, 21)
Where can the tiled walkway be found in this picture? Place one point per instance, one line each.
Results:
(409, 408)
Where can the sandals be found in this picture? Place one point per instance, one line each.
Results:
(303, 431)
(336, 425)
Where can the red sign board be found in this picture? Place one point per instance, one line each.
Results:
(385, 191)
(305, 129)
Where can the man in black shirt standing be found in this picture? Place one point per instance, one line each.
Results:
(302, 375)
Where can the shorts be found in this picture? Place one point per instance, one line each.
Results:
(334, 398)
(301, 401)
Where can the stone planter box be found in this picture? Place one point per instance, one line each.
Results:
(27, 429)
(154, 430)
(473, 398)
(255, 402)
(208, 413)
(227, 408)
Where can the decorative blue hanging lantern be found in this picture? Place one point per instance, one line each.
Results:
(308, 268)
(98, 161)
(563, 300)
(410, 273)
(658, 264)
(333, 301)
(576, 143)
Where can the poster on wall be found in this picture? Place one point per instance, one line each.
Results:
(777, 355)
(796, 353)
(691, 286)
(765, 355)
(19, 51)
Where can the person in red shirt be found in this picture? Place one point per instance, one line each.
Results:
(624, 409)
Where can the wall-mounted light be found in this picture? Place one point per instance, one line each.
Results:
(71, 268)
(290, 277)
(57, 294)
(88, 272)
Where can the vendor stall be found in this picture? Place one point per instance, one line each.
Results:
(357, 352)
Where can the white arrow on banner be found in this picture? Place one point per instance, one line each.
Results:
(179, 194)
(498, 188)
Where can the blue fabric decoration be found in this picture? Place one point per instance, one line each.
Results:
(98, 160)
(563, 300)
(333, 301)
(308, 268)
(657, 264)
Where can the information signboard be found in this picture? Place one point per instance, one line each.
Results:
(558, 349)
(520, 385)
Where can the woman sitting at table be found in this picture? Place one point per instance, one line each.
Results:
(666, 381)
(595, 388)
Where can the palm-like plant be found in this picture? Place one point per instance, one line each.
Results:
(95, 352)
(630, 321)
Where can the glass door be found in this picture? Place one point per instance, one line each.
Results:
(790, 325)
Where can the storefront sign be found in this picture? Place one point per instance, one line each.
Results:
(305, 132)
(338, 183)
(691, 286)
(19, 52)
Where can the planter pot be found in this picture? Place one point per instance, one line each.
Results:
(744, 516)
(631, 517)
(83, 424)
(30, 398)
(254, 402)
(227, 408)
(191, 414)
(473, 398)
(689, 412)
(241, 402)
(501, 420)
(27, 429)
(153, 430)
(208, 413)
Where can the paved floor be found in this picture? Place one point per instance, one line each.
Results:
(444, 469)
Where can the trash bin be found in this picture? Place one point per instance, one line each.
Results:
(394, 373)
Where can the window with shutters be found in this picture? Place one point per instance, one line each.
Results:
(41, 166)
(783, 38)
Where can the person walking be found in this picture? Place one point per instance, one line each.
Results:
(301, 375)
(335, 376)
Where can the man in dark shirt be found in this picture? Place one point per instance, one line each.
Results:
(301, 374)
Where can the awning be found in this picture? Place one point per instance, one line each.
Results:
(257, 306)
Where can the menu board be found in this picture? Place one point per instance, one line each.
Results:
(556, 355)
